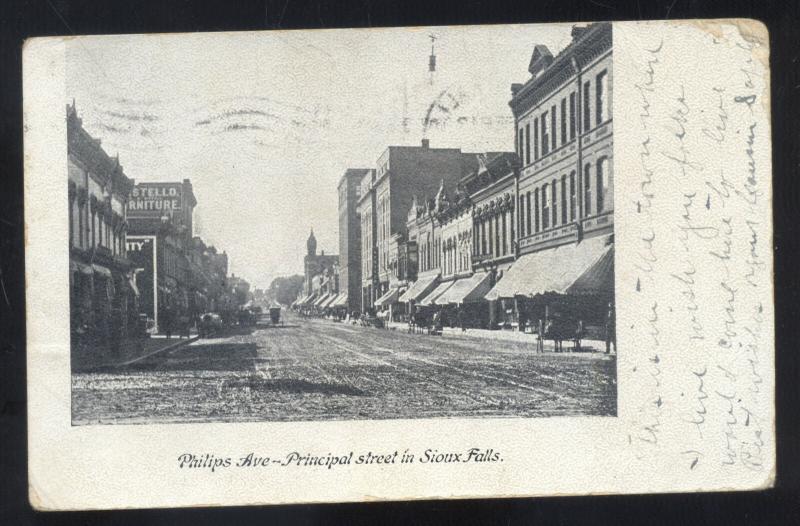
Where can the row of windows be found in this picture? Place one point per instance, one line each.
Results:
(90, 230)
(456, 259)
(556, 202)
(429, 253)
(558, 125)
(494, 235)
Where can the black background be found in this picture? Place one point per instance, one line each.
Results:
(22, 19)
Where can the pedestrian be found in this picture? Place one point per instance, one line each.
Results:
(611, 336)
(167, 321)
(460, 318)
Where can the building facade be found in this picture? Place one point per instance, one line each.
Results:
(103, 303)
(402, 173)
(160, 243)
(369, 252)
(317, 265)
(564, 188)
(350, 237)
(564, 139)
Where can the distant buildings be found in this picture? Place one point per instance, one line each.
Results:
(387, 194)
(159, 241)
(350, 237)
(321, 271)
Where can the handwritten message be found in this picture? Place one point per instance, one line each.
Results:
(697, 288)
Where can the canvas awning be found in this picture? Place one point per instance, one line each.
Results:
(330, 301)
(419, 289)
(77, 266)
(579, 268)
(322, 299)
(306, 300)
(434, 295)
(390, 297)
(101, 270)
(341, 301)
(467, 290)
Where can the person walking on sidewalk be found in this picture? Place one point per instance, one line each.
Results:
(167, 322)
(460, 317)
(611, 325)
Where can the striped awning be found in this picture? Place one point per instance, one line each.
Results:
(329, 302)
(341, 300)
(322, 299)
(467, 290)
(434, 295)
(578, 268)
(419, 289)
(390, 297)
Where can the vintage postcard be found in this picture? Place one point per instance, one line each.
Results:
(406, 263)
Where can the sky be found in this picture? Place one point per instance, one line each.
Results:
(264, 124)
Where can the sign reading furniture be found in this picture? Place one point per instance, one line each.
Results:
(154, 199)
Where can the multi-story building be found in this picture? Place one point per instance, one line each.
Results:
(402, 173)
(159, 243)
(314, 265)
(103, 308)
(350, 238)
(492, 193)
(369, 261)
(564, 192)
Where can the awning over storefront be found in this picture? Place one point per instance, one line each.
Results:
(322, 299)
(100, 269)
(436, 293)
(77, 266)
(329, 302)
(341, 301)
(581, 268)
(419, 289)
(467, 290)
(389, 298)
(305, 300)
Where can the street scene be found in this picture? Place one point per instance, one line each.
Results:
(310, 369)
(246, 247)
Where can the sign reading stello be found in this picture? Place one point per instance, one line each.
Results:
(155, 199)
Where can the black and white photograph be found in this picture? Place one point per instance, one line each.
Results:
(384, 225)
(359, 264)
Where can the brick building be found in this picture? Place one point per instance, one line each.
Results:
(564, 192)
(350, 239)
(103, 308)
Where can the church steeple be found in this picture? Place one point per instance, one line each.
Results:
(311, 244)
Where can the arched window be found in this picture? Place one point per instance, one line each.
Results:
(563, 199)
(527, 226)
(605, 198)
(522, 213)
(587, 190)
(554, 199)
(572, 196)
(601, 102)
(536, 209)
(545, 209)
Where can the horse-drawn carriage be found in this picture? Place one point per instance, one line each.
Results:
(275, 315)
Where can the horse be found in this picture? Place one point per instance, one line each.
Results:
(558, 330)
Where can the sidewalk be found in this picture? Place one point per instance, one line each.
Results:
(130, 351)
(505, 335)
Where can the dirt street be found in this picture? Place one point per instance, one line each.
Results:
(313, 369)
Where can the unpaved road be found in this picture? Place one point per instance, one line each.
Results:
(314, 369)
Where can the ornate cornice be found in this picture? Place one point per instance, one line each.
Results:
(595, 41)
